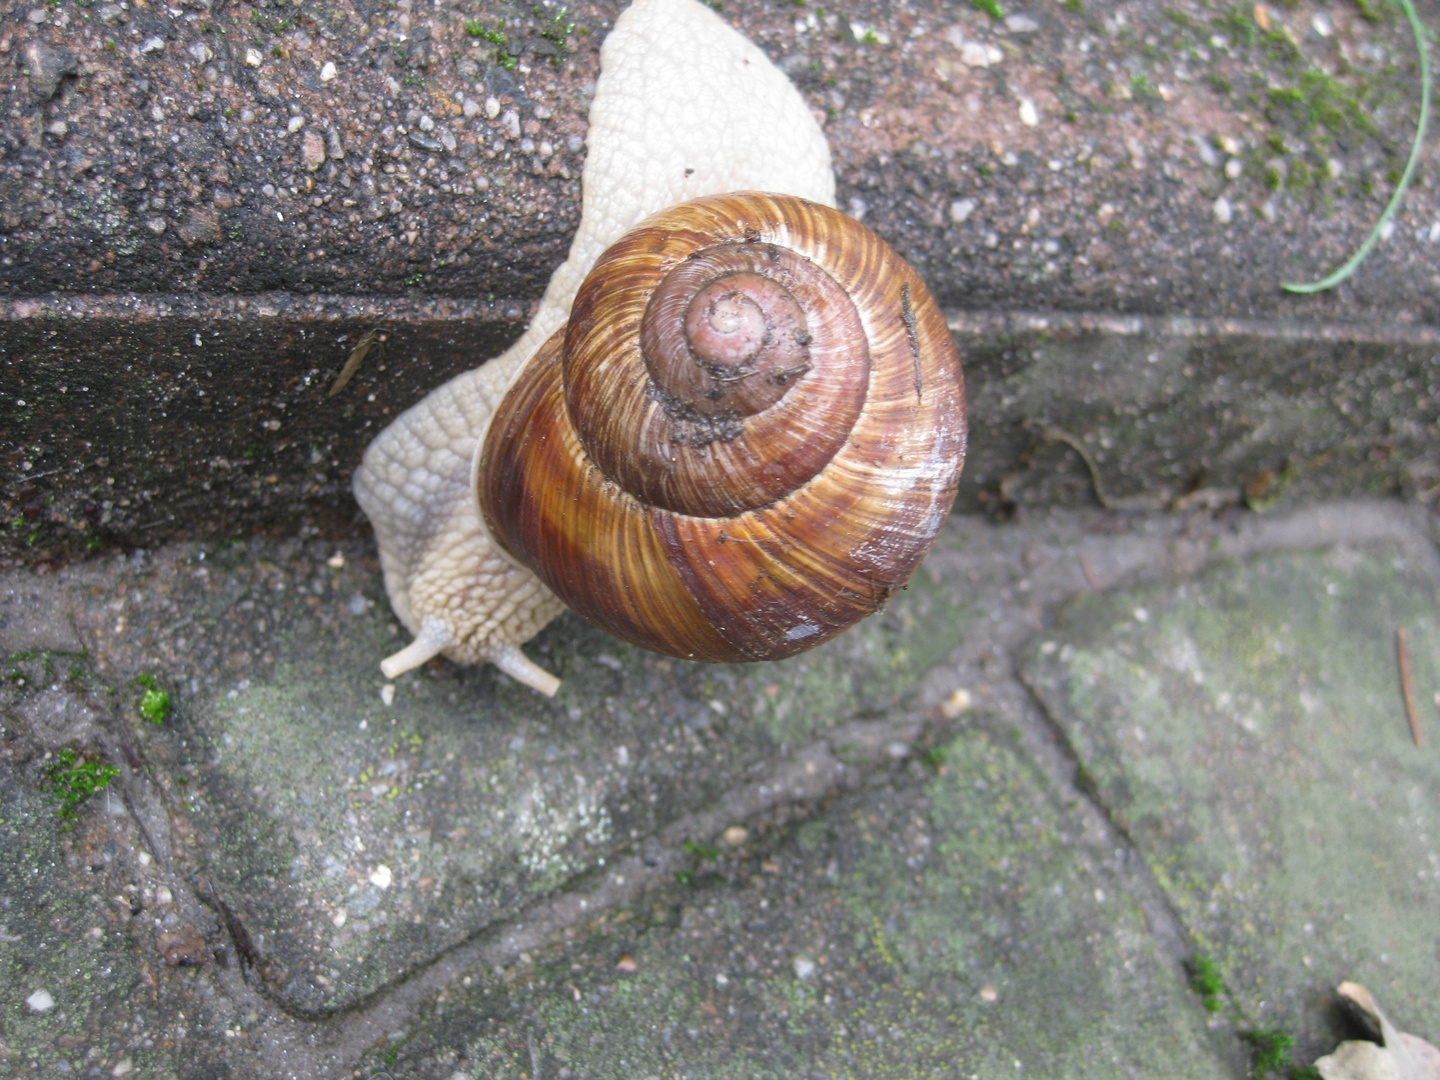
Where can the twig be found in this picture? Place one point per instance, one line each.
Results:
(1090, 575)
(1406, 688)
(1331, 280)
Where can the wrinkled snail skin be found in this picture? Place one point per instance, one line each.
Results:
(745, 439)
(684, 107)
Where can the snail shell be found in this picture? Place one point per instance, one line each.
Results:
(745, 439)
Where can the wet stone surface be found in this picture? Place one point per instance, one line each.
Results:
(1247, 729)
(919, 928)
(892, 856)
(358, 828)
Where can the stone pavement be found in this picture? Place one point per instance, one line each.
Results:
(991, 832)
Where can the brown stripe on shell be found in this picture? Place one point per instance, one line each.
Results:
(790, 571)
(588, 541)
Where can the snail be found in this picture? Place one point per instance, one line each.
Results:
(726, 322)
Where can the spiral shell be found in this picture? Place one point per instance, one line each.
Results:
(745, 439)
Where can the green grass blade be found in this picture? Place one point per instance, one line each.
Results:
(1370, 241)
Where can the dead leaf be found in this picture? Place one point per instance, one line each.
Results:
(1398, 1055)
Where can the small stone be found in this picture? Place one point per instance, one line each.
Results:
(334, 146)
(1230, 145)
(183, 947)
(857, 207)
(1322, 24)
(427, 124)
(511, 122)
(40, 1001)
(1223, 211)
(111, 13)
(59, 129)
(156, 225)
(328, 71)
(973, 54)
(47, 66)
(312, 150)
(380, 877)
(200, 227)
(153, 44)
(254, 58)
(1234, 167)
(37, 15)
(471, 108)
(339, 918)
(735, 835)
(1208, 157)
(961, 209)
(1029, 115)
(387, 694)
(123, 1067)
(294, 124)
(989, 994)
(627, 965)
(1020, 23)
(492, 107)
(804, 968)
(447, 140)
(959, 702)
(721, 979)
(200, 52)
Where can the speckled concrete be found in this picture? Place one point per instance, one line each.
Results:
(179, 288)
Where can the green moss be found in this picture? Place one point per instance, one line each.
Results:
(989, 7)
(1205, 981)
(154, 703)
(74, 779)
(1271, 1050)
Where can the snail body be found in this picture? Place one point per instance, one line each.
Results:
(684, 108)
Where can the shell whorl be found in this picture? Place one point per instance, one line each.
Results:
(745, 439)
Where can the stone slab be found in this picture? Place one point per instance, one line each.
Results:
(1246, 730)
(951, 922)
(358, 828)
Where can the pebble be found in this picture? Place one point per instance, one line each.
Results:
(312, 150)
(1234, 167)
(492, 107)
(380, 877)
(152, 45)
(857, 207)
(471, 108)
(123, 1067)
(335, 149)
(200, 52)
(804, 968)
(1206, 151)
(961, 209)
(973, 54)
(1223, 211)
(959, 702)
(37, 15)
(511, 123)
(387, 694)
(1020, 23)
(328, 71)
(40, 1001)
(1029, 115)
(1322, 24)
(111, 13)
(426, 123)
(735, 835)
(294, 125)
(627, 964)
(253, 58)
